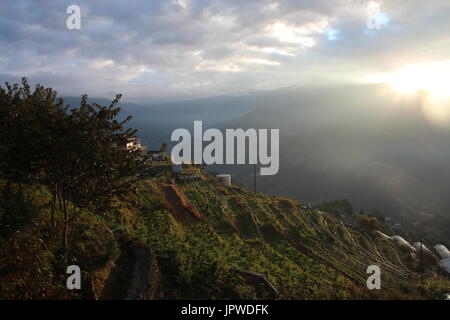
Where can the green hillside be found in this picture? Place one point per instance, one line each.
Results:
(305, 254)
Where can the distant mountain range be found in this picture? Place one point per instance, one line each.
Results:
(363, 143)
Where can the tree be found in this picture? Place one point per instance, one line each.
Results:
(72, 150)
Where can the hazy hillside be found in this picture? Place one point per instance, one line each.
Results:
(353, 143)
(156, 122)
(364, 143)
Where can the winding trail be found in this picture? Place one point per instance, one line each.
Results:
(134, 273)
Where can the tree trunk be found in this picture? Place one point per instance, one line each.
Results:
(66, 225)
(52, 212)
(59, 197)
(74, 213)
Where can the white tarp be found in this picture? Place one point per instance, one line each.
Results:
(442, 251)
(382, 235)
(424, 247)
(445, 264)
(403, 243)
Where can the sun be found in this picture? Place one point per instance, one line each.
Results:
(431, 77)
(432, 81)
(407, 80)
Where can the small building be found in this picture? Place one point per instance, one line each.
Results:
(132, 143)
(307, 207)
(190, 171)
(160, 157)
(224, 179)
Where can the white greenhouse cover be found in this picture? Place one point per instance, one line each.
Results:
(424, 247)
(445, 264)
(442, 251)
(402, 242)
(384, 236)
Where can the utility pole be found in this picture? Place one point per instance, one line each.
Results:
(421, 257)
(254, 177)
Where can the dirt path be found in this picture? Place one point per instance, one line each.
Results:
(180, 207)
(135, 275)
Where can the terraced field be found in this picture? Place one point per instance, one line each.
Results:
(306, 254)
(319, 236)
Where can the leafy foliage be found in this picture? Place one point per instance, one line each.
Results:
(72, 150)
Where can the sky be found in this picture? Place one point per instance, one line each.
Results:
(153, 51)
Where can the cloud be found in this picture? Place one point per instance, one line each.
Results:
(155, 50)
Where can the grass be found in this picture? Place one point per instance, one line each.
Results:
(255, 232)
(305, 254)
